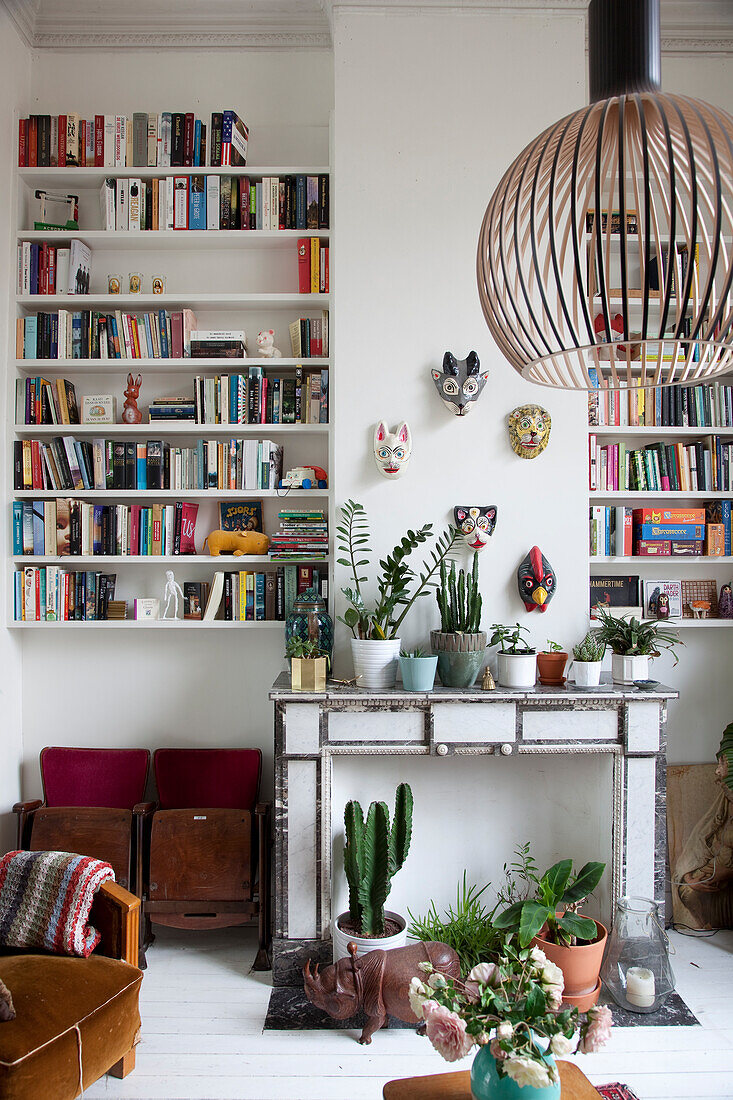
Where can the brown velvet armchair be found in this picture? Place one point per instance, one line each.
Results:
(76, 1018)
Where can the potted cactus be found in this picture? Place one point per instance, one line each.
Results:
(374, 853)
(460, 643)
(587, 659)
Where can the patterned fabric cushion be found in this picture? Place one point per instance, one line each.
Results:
(45, 898)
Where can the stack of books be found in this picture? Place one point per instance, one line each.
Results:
(665, 532)
(302, 534)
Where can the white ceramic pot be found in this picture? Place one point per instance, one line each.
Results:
(375, 663)
(341, 940)
(625, 670)
(517, 670)
(587, 673)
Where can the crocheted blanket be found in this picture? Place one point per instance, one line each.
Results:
(45, 899)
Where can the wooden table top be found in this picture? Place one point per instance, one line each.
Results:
(457, 1086)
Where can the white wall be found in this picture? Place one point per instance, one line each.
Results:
(430, 111)
(14, 98)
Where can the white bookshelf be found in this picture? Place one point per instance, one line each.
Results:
(231, 279)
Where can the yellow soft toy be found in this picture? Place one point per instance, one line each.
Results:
(237, 543)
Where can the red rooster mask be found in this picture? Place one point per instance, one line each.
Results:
(536, 580)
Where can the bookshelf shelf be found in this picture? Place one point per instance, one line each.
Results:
(90, 177)
(680, 624)
(658, 433)
(172, 494)
(166, 428)
(232, 279)
(678, 561)
(211, 302)
(183, 240)
(652, 497)
(47, 367)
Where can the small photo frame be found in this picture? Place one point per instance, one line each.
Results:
(147, 609)
(136, 282)
(662, 599)
(158, 284)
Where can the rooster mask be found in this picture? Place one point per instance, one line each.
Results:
(536, 580)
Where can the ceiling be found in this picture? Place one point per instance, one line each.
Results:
(688, 26)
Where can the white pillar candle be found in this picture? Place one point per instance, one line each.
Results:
(640, 987)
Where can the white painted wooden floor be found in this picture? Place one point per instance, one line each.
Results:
(202, 1036)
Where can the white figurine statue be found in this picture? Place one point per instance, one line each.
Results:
(172, 592)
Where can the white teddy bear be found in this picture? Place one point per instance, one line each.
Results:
(266, 345)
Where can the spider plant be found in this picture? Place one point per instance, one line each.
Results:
(635, 637)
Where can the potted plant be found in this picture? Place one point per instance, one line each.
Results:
(516, 658)
(417, 669)
(375, 644)
(308, 664)
(587, 660)
(551, 917)
(510, 1011)
(460, 643)
(551, 664)
(374, 853)
(633, 642)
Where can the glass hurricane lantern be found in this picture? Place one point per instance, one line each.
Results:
(636, 969)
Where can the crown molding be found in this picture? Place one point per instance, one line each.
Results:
(181, 40)
(23, 15)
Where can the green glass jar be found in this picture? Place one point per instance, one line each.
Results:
(309, 621)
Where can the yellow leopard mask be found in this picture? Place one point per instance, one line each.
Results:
(529, 430)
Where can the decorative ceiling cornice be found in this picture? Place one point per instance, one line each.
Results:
(23, 13)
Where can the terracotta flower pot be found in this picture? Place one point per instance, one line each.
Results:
(581, 966)
(551, 667)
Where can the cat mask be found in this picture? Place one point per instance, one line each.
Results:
(529, 430)
(392, 450)
(476, 523)
(460, 382)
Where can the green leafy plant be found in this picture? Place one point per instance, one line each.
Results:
(557, 900)
(591, 648)
(510, 638)
(307, 649)
(374, 853)
(459, 599)
(552, 647)
(467, 928)
(413, 653)
(396, 579)
(635, 637)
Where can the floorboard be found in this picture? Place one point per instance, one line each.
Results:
(202, 1036)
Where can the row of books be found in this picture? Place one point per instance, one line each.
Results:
(64, 527)
(655, 532)
(51, 594)
(215, 203)
(313, 266)
(65, 463)
(254, 398)
(155, 334)
(708, 405)
(301, 534)
(703, 466)
(40, 401)
(168, 139)
(42, 268)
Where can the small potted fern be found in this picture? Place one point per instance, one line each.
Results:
(460, 642)
(418, 669)
(373, 855)
(587, 660)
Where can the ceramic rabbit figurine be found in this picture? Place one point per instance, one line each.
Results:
(131, 414)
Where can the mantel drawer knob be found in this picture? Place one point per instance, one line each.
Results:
(506, 749)
(442, 750)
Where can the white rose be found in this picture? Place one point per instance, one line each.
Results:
(504, 1030)
(417, 997)
(484, 973)
(525, 1071)
(538, 957)
(426, 967)
(559, 1045)
(552, 975)
(437, 981)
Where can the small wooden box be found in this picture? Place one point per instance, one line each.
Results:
(715, 540)
(308, 674)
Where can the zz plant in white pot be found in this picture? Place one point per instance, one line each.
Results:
(375, 645)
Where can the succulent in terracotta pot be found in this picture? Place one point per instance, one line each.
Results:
(551, 663)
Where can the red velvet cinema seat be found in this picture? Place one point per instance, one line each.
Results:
(92, 803)
(208, 839)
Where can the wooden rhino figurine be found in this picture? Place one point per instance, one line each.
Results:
(377, 982)
(237, 543)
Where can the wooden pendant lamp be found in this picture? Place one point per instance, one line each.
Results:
(606, 252)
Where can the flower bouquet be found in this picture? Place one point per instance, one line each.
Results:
(512, 1009)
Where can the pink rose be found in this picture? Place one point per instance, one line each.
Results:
(446, 1031)
(598, 1030)
(554, 997)
(485, 973)
(496, 1050)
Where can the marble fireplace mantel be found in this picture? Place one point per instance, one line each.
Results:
(313, 728)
